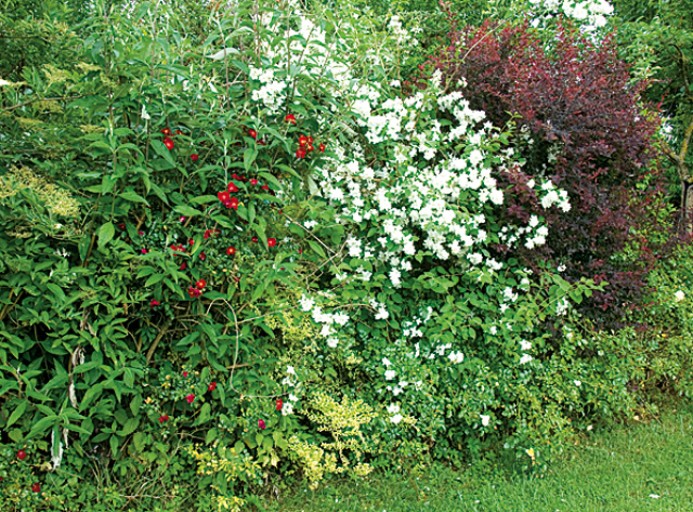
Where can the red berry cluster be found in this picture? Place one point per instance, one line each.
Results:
(305, 146)
(195, 291)
(168, 142)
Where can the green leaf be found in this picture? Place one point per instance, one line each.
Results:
(163, 152)
(129, 427)
(156, 278)
(134, 197)
(249, 156)
(317, 248)
(17, 413)
(187, 210)
(43, 425)
(106, 233)
(205, 411)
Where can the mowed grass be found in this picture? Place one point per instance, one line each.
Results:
(639, 467)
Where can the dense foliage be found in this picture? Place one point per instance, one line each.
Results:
(580, 123)
(237, 244)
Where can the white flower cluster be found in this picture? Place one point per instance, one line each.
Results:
(396, 416)
(438, 209)
(331, 322)
(553, 196)
(271, 92)
(315, 52)
(591, 14)
(525, 346)
(291, 381)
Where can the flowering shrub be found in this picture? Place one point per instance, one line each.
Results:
(252, 251)
(595, 145)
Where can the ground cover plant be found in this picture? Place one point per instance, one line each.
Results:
(638, 467)
(248, 245)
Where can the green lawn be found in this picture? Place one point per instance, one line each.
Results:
(640, 467)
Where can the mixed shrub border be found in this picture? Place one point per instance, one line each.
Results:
(265, 245)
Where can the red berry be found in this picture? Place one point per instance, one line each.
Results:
(154, 303)
(223, 196)
(253, 181)
(252, 133)
(179, 132)
(191, 242)
(231, 250)
(321, 147)
(271, 242)
(166, 131)
(212, 386)
(290, 118)
(232, 187)
(302, 140)
(300, 153)
(280, 404)
(254, 239)
(36, 487)
(183, 266)
(168, 142)
(185, 374)
(163, 417)
(190, 398)
(121, 226)
(203, 256)
(21, 455)
(265, 188)
(261, 424)
(200, 284)
(310, 139)
(144, 251)
(310, 147)
(194, 157)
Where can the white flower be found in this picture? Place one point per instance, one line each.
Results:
(306, 303)
(679, 296)
(390, 374)
(290, 370)
(456, 357)
(396, 418)
(526, 358)
(393, 408)
(577, 383)
(386, 362)
(485, 419)
(144, 115)
(525, 345)
(287, 408)
(341, 318)
(293, 398)
(332, 342)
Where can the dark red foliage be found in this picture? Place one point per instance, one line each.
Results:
(584, 130)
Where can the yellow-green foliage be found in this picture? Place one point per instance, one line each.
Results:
(295, 326)
(228, 464)
(343, 421)
(57, 201)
